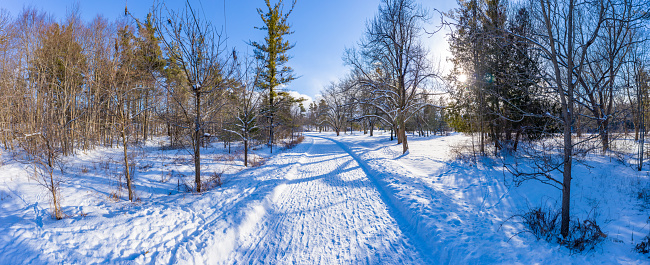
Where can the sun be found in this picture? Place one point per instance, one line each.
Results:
(462, 78)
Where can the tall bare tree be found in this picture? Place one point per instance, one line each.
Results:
(335, 98)
(198, 51)
(393, 63)
(599, 82)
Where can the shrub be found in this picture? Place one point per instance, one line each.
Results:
(256, 161)
(544, 223)
(584, 235)
(213, 181)
(294, 143)
(644, 246)
(644, 195)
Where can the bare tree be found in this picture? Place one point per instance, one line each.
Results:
(334, 113)
(247, 107)
(198, 51)
(6, 75)
(598, 80)
(393, 64)
(567, 31)
(45, 159)
(124, 92)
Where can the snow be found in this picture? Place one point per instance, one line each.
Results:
(331, 200)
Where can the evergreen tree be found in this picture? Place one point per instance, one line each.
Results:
(273, 54)
(501, 97)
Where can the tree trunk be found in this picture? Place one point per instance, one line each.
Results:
(245, 153)
(402, 130)
(50, 171)
(514, 148)
(55, 200)
(398, 134)
(144, 118)
(270, 144)
(604, 134)
(127, 170)
(197, 142)
(566, 182)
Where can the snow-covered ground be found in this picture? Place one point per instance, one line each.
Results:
(331, 200)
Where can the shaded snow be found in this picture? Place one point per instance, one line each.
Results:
(330, 200)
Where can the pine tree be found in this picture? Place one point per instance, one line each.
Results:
(273, 54)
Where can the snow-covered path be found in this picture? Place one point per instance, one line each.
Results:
(328, 212)
(349, 199)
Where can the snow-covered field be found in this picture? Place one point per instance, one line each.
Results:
(351, 199)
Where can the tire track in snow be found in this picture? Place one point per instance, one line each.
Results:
(248, 210)
(453, 229)
(329, 213)
(402, 215)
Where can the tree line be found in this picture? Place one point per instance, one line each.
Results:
(561, 77)
(71, 85)
(392, 83)
(568, 70)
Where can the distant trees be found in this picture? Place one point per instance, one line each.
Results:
(273, 53)
(392, 64)
(6, 32)
(68, 85)
(500, 95)
(333, 112)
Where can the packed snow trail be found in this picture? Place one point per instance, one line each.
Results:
(348, 199)
(328, 212)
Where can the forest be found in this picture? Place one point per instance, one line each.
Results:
(538, 86)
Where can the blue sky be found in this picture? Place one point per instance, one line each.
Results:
(323, 28)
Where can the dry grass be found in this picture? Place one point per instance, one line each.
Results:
(294, 143)
(114, 196)
(224, 157)
(213, 181)
(256, 161)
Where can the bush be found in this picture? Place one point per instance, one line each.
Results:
(644, 195)
(545, 223)
(256, 161)
(644, 246)
(213, 181)
(584, 235)
(294, 143)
